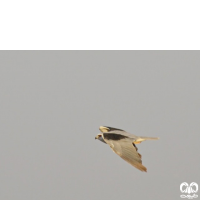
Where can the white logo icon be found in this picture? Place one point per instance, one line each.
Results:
(189, 189)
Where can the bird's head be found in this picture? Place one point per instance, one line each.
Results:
(100, 137)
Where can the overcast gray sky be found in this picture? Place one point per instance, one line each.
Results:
(53, 102)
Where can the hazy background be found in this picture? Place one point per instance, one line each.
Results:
(53, 102)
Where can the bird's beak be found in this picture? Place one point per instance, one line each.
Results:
(96, 137)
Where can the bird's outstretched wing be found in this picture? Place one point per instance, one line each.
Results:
(127, 151)
(106, 129)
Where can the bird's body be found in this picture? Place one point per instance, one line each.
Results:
(123, 144)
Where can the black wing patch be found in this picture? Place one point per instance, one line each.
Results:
(113, 136)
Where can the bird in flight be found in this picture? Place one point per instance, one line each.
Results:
(123, 144)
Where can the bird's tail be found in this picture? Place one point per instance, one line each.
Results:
(149, 138)
(141, 139)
